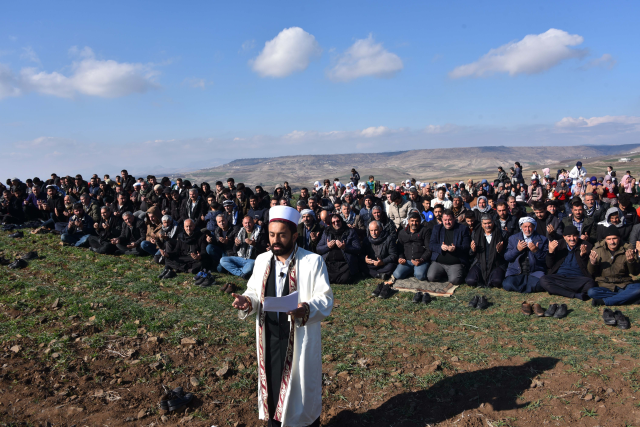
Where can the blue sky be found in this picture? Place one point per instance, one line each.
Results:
(97, 87)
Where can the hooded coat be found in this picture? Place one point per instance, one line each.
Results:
(486, 254)
(623, 227)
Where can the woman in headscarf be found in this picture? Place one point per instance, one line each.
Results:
(482, 207)
(609, 191)
(339, 247)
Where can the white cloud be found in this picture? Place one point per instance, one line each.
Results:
(290, 51)
(374, 131)
(248, 45)
(195, 82)
(365, 58)
(89, 76)
(296, 134)
(533, 54)
(605, 61)
(29, 54)
(580, 122)
(433, 129)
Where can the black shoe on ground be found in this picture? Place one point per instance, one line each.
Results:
(377, 290)
(474, 302)
(17, 235)
(561, 311)
(175, 399)
(30, 256)
(596, 302)
(4, 261)
(158, 259)
(385, 276)
(19, 263)
(551, 310)
(609, 318)
(426, 298)
(208, 281)
(385, 293)
(621, 320)
(482, 303)
(165, 271)
(417, 297)
(169, 274)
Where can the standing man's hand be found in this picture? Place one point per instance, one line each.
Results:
(298, 312)
(241, 302)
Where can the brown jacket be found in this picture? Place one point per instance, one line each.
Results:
(611, 271)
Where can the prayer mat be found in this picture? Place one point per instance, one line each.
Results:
(434, 289)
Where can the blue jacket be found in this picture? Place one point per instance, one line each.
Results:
(461, 239)
(537, 260)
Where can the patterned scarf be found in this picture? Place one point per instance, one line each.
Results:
(288, 363)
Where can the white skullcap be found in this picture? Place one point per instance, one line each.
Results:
(284, 213)
(527, 219)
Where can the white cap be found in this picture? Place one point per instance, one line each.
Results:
(284, 213)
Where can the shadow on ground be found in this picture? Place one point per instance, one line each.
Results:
(499, 386)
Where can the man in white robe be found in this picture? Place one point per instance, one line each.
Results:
(289, 354)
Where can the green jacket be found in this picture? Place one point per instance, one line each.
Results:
(613, 271)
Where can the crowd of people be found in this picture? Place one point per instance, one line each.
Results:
(569, 234)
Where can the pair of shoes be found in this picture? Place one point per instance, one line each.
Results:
(29, 256)
(229, 288)
(557, 311)
(18, 263)
(615, 319)
(167, 273)
(597, 302)
(205, 282)
(385, 292)
(420, 297)
(17, 235)
(529, 309)
(479, 302)
(174, 399)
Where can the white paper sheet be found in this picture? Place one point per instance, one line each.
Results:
(282, 304)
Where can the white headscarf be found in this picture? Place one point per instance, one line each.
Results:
(524, 219)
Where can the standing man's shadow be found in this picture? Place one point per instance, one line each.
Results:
(499, 386)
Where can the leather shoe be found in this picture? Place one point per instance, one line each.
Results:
(526, 309)
(474, 302)
(17, 235)
(377, 290)
(621, 320)
(482, 303)
(426, 298)
(417, 297)
(30, 256)
(161, 275)
(609, 318)
(385, 293)
(561, 311)
(551, 310)
(231, 288)
(169, 274)
(537, 309)
(18, 263)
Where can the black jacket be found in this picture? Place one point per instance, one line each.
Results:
(232, 232)
(185, 245)
(588, 226)
(555, 259)
(316, 228)
(415, 245)
(113, 230)
(385, 250)
(486, 255)
(135, 234)
(511, 225)
(198, 211)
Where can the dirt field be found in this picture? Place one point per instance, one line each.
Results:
(90, 340)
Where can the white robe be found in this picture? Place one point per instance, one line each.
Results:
(303, 400)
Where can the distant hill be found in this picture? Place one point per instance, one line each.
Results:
(424, 165)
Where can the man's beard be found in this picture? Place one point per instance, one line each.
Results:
(308, 224)
(281, 250)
